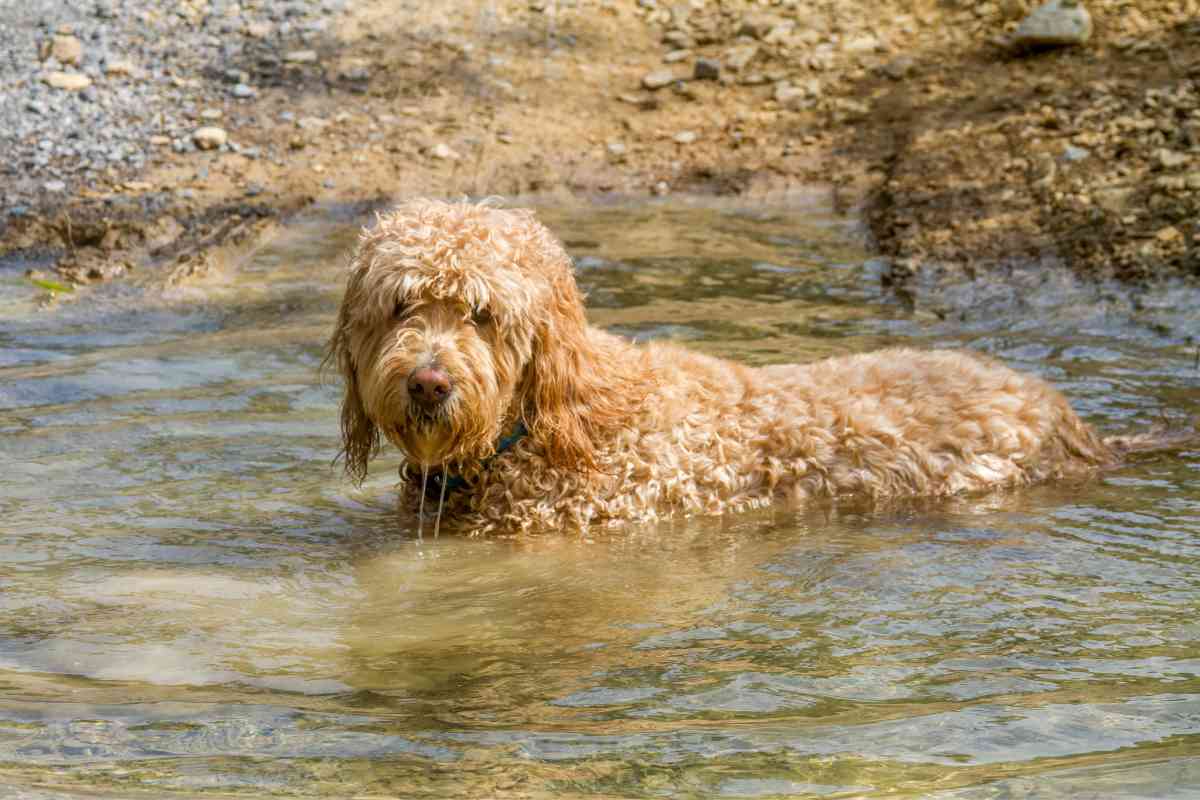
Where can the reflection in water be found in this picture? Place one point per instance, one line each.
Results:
(194, 600)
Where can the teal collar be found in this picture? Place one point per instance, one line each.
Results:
(433, 486)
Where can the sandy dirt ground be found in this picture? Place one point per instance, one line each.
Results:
(960, 150)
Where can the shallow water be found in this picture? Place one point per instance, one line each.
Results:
(193, 602)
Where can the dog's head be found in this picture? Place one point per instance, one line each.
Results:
(459, 321)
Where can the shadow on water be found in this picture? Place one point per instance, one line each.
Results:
(194, 600)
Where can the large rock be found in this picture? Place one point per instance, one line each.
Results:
(1056, 23)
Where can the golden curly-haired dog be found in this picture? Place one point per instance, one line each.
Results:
(462, 339)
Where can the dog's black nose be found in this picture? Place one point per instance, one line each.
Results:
(429, 386)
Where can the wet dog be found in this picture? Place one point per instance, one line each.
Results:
(462, 340)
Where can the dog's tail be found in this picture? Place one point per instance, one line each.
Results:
(1163, 437)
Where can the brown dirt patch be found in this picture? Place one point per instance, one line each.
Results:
(960, 151)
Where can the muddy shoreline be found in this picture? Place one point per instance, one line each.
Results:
(960, 151)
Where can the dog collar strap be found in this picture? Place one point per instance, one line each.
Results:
(433, 488)
(517, 435)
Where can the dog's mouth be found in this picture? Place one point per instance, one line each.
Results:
(426, 420)
(425, 435)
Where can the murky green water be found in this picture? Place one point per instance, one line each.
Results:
(192, 602)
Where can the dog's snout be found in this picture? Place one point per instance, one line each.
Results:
(429, 386)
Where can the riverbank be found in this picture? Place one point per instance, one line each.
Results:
(180, 133)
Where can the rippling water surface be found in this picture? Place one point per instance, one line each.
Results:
(193, 602)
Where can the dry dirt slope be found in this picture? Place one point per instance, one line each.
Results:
(963, 151)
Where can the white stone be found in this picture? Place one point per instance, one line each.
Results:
(66, 49)
(354, 69)
(781, 33)
(685, 137)
(119, 67)
(861, 44)
(737, 58)
(209, 137)
(69, 81)
(757, 26)
(1169, 159)
(658, 79)
(1073, 153)
(301, 56)
(1058, 22)
(312, 124)
(791, 97)
(443, 152)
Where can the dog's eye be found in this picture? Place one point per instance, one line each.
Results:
(481, 317)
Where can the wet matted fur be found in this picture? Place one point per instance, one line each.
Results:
(607, 431)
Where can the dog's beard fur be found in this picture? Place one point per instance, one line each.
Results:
(465, 428)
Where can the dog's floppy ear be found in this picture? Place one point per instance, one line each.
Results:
(360, 437)
(574, 389)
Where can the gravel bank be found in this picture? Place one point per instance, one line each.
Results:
(139, 77)
(137, 135)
